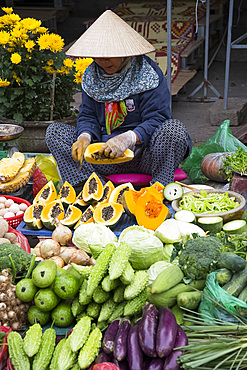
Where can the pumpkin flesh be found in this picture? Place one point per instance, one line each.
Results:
(130, 199)
(150, 211)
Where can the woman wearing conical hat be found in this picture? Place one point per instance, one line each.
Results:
(125, 104)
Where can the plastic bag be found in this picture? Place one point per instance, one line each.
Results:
(48, 166)
(221, 141)
(3, 348)
(20, 238)
(211, 311)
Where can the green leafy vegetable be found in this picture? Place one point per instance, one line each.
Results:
(208, 203)
(236, 161)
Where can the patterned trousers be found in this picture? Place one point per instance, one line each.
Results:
(167, 148)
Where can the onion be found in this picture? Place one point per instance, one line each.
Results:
(80, 257)
(36, 250)
(49, 248)
(58, 260)
(62, 234)
(67, 253)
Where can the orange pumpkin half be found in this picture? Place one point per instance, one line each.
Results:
(150, 212)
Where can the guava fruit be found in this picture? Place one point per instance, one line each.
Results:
(44, 274)
(45, 299)
(35, 315)
(61, 315)
(66, 286)
(25, 290)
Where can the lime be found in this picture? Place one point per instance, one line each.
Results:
(61, 315)
(35, 315)
(45, 299)
(25, 290)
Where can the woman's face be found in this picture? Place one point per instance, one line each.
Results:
(110, 65)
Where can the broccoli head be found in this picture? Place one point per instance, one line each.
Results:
(21, 258)
(200, 256)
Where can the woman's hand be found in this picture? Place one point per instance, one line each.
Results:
(79, 147)
(117, 145)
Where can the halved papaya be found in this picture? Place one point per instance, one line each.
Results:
(32, 216)
(108, 213)
(93, 188)
(72, 216)
(67, 194)
(86, 217)
(107, 190)
(47, 194)
(150, 211)
(91, 155)
(51, 212)
(80, 202)
(116, 195)
(129, 200)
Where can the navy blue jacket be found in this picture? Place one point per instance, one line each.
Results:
(145, 112)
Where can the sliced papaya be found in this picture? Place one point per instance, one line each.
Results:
(93, 188)
(107, 190)
(117, 194)
(51, 212)
(47, 194)
(72, 216)
(91, 155)
(108, 213)
(32, 216)
(86, 216)
(67, 194)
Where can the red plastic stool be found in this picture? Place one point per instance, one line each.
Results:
(139, 179)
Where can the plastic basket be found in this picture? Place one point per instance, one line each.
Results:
(15, 221)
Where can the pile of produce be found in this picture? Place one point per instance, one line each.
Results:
(96, 203)
(15, 172)
(9, 208)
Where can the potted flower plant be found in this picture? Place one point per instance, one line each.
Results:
(37, 81)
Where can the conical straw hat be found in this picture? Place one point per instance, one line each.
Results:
(110, 36)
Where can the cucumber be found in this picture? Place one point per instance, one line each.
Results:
(185, 216)
(212, 224)
(223, 276)
(189, 300)
(237, 283)
(167, 279)
(231, 261)
(178, 313)
(243, 297)
(244, 216)
(235, 227)
(173, 191)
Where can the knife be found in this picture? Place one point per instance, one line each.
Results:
(80, 165)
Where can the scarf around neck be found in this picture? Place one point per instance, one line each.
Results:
(138, 77)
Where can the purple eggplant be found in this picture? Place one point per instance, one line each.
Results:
(171, 360)
(102, 357)
(123, 365)
(166, 332)
(148, 329)
(135, 355)
(109, 337)
(121, 340)
(156, 364)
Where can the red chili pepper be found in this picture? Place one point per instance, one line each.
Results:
(105, 366)
(3, 349)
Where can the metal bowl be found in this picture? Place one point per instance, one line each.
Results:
(10, 132)
(228, 215)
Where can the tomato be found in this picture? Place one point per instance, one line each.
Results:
(105, 366)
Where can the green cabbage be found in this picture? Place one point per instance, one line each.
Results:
(146, 248)
(92, 234)
(155, 269)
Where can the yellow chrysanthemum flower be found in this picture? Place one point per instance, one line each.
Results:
(30, 45)
(42, 30)
(78, 77)
(81, 64)
(15, 58)
(4, 83)
(68, 63)
(63, 71)
(44, 41)
(30, 24)
(4, 37)
(49, 69)
(14, 18)
(56, 42)
(50, 62)
(7, 10)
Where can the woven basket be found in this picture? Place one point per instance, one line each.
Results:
(15, 221)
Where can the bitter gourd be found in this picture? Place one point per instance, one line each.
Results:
(118, 312)
(119, 260)
(43, 356)
(18, 356)
(84, 299)
(66, 356)
(118, 294)
(135, 305)
(84, 271)
(138, 283)
(91, 348)
(76, 307)
(106, 310)
(93, 309)
(100, 295)
(56, 354)
(100, 268)
(32, 339)
(127, 274)
(80, 333)
(108, 284)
